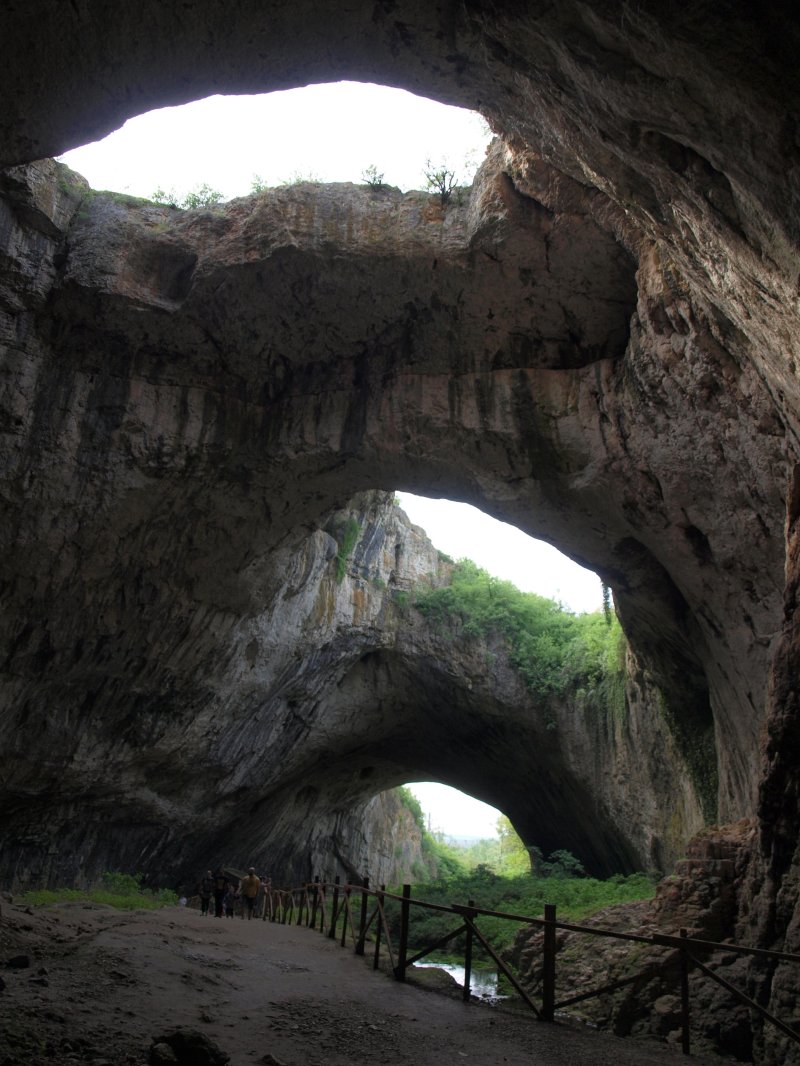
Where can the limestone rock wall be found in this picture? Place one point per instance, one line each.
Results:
(164, 453)
(334, 692)
(186, 403)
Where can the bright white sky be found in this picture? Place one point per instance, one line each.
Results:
(333, 133)
(454, 813)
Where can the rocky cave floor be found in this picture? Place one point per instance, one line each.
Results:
(84, 984)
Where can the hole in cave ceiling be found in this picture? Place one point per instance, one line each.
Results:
(463, 531)
(331, 132)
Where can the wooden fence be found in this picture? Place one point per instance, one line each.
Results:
(361, 910)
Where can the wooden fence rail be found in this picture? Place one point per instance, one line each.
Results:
(323, 904)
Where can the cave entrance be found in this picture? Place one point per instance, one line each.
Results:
(454, 815)
(333, 132)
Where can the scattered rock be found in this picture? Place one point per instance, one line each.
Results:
(189, 1048)
(162, 1055)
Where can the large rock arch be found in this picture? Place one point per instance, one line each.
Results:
(668, 130)
(203, 388)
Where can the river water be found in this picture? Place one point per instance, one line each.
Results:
(482, 984)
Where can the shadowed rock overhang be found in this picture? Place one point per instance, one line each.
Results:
(185, 397)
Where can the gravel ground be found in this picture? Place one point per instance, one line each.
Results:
(100, 986)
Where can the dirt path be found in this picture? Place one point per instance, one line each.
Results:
(101, 984)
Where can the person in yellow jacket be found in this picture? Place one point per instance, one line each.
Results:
(249, 888)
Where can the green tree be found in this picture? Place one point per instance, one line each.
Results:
(514, 858)
(201, 196)
(440, 180)
(370, 176)
(607, 603)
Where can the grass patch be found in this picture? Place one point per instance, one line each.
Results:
(122, 891)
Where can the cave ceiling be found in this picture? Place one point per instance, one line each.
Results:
(599, 346)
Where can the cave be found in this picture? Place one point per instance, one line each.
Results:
(600, 347)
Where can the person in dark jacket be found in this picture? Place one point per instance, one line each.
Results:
(205, 890)
(220, 887)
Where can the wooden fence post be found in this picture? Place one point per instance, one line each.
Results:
(402, 950)
(684, 996)
(314, 904)
(362, 927)
(345, 915)
(378, 930)
(468, 955)
(332, 930)
(549, 964)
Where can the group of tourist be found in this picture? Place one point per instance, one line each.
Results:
(247, 894)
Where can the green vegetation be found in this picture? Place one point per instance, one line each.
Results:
(438, 858)
(402, 600)
(440, 180)
(502, 874)
(260, 184)
(123, 891)
(558, 879)
(412, 804)
(299, 177)
(201, 196)
(554, 650)
(371, 177)
(575, 898)
(346, 537)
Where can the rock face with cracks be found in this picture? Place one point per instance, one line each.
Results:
(193, 384)
(171, 435)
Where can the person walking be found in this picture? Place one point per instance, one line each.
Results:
(220, 885)
(205, 890)
(230, 900)
(249, 889)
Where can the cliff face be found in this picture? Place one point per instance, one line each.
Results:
(334, 692)
(601, 347)
(188, 399)
(175, 430)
